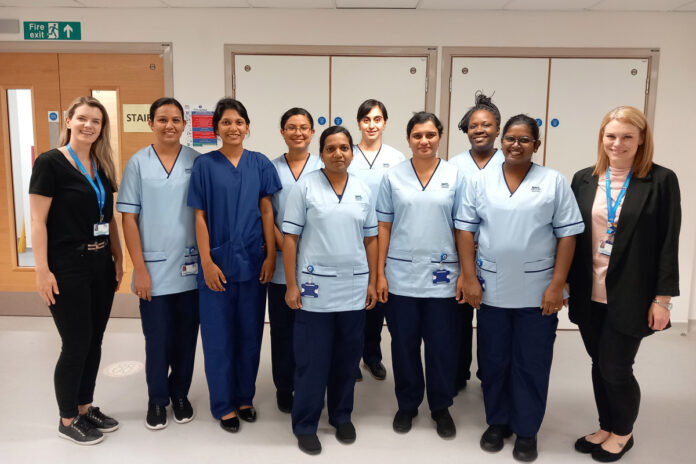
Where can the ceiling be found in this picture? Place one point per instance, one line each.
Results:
(511, 5)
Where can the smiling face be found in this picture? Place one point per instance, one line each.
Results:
(232, 128)
(168, 124)
(482, 131)
(621, 141)
(297, 132)
(372, 125)
(337, 153)
(424, 140)
(85, 125)
(519, 145)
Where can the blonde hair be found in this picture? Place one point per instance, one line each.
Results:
(101, 148)
(644, 156)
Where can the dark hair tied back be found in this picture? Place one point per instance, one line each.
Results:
(481, 102)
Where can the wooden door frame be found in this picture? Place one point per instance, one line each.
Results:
(449, 53)
(163, 48)
(431, 53)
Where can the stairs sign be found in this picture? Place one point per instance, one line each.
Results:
(52, 30)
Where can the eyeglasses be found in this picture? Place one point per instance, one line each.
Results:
(510, 140)
(302, 129)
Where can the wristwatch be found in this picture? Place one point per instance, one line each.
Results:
(665, 304)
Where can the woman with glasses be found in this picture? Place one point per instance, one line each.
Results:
(297, 129)
(527, 218)
(371, 159)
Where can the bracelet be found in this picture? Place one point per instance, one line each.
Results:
(665, 304)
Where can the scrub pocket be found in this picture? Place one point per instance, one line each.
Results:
(361, 278)
(488, 270)
(236, 262)
(537, 275)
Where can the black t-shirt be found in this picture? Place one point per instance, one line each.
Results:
(74, 209)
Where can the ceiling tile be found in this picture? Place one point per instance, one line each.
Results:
(638, 5)
(376, 3)
(208, 3)
(691, 6)
(318, 4)
(122, 4)
(550, 5)
(40, 3)
(461, 4)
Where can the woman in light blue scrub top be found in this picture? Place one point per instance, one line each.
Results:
(418, 274)
(297, 129)
(527, 218)
(481, 124)
(160, 235)
(371, 159)
(329, 255)
(231, 192)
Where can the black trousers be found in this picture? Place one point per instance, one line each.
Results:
(374, 321)
(616, 390)
(282, 319)
(465, 347)
(87, 283)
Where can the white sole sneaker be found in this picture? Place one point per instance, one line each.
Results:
(115, 427)
(184, 420)
(156, 427)
(84, 443)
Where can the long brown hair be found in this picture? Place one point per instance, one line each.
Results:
(101, 148)
(643, 160)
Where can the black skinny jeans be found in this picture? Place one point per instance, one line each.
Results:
(86, 282)
(616, 390)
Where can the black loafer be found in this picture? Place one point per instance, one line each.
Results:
(493, 438)
(345, 433)
(603, 455)
(525, 449)
(247, 414)
(445, 424)
(403, 420)
(284, 401)
(230, 425)
(310, 444)
(377, 370)
(584, 446)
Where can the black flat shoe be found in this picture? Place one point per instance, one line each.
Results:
(247, 414)
(284, 401)
(345, 433)
(230, 425)
(377, 370)
(403, 420)
(493, 438)
(525, 449)
(603, 455)
(584, 446)
(444, 423)
(310, 444)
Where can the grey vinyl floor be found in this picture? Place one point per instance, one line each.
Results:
(665, 431)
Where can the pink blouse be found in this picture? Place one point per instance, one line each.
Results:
(600, 262)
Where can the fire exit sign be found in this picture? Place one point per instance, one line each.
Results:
(52, 30)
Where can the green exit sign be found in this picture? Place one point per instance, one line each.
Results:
(52, 30)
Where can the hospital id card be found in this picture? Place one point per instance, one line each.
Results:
(605, 247)
(101, 228)
(189, 269)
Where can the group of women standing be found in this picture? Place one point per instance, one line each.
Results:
(420, 242)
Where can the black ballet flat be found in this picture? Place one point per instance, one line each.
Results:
(230, 425)
(584, 446)
(247, 414)
(602, 455)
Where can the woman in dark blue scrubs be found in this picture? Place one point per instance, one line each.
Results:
(231, 192)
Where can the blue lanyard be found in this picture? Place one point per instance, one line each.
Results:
(612, 209)
(101, 193)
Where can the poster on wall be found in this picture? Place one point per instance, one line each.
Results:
(199, 128)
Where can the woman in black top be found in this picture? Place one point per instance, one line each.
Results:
(78, 259)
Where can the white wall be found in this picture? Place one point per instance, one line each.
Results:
(198, 36)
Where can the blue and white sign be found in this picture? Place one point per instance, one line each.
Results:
(338, 121)
(52, 116)
(321, 120)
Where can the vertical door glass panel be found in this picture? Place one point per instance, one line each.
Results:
(22, 149)
(109, 98)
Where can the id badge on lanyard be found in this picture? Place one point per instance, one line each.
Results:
(101, 228)
(441, 275)
(309, 288)
(605, 246)
(190, 266)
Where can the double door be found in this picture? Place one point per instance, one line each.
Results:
(331, 88)
(35, 90)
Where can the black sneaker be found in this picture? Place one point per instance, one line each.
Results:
(80, 431)
(345, 433)
(377, 370)
(310, 443)
(493, 439)
(403, 420)
(156, 418)
(525, 449)
(183, 411)
(445, 424)
(100, 420)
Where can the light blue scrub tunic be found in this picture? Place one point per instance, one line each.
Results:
(465, 163)
(371, 172)
(287, 179)
(331, 231)
(518, 232)
(422, 234)
(166, 224)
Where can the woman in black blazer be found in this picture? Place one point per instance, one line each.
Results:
(625, 269)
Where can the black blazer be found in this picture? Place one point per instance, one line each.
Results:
(643, 260)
